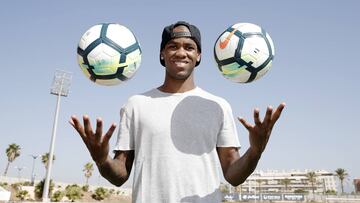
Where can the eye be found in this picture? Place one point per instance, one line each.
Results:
(171, 46)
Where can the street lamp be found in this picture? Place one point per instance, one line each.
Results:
(19, 168)
(33, 169)
(60, 87)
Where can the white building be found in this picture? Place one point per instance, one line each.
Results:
(273, 181)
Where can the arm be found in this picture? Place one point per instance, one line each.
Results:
(235, 168)
(116, 170)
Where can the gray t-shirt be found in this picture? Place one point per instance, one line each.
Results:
(175, 138)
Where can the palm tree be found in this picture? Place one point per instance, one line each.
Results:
(341, 174)
(286, 182)
(312, 179)
(45, 159)
(12, 152)
(88, 169)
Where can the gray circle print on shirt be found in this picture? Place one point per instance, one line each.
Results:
(195, 125)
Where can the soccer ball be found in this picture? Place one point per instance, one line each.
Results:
(244, 52)
(109, 54)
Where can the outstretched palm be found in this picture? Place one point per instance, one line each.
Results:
(96, 142)
(260, 132)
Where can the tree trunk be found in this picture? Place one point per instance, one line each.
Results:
(7, 168)
(342, 187)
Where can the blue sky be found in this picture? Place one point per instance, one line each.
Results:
(315, 72)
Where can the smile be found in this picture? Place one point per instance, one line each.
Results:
(179, 63)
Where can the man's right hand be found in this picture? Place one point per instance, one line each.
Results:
(96, 142)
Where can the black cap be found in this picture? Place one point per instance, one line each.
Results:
(168, 34)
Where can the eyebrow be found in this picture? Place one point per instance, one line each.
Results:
(186, 43)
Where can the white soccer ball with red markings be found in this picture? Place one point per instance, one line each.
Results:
(244, 52)
(109, 54)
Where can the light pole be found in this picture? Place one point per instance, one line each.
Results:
(60, 87)
(19, 168)
(33, 169)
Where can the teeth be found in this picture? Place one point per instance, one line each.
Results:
(179, 62)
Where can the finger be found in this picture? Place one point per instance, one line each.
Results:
(247, 125)
(76, 124)
(99, 126)
(87, 125)
(109, 133)
(268, 114)
(257, 117)
(72, 121)
(78, 127)
(277, 112)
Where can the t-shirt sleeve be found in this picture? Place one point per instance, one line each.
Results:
(125, 138)
(228, 136)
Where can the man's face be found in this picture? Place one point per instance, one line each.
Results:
(180, 55)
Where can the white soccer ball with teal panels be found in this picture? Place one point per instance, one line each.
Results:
(244, 52)
(109, 54)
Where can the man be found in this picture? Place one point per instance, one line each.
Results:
(177, 135)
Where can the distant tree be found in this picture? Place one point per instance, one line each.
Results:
(45, 159)
(12, 152)
(341, 174)
(312, 180)
(286, 182)
(88, 169)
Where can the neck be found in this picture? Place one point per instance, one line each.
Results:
(177, 86)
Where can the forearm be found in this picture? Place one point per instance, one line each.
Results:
(243, 167)
(114, 171)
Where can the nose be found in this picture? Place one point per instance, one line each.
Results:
(180, 52)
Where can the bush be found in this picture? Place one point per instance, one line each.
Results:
(22, 194)
(100, 194)
(16, 186)
(26, 183)
(73, 192)
(85, 188)
(300, 191)
(40, 187)
(57, 196)
(330, 192)
(4, 184)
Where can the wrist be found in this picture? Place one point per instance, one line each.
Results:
(255, 152)
(101, 162)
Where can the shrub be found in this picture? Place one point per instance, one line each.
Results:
(57, 196)
(100, 193)
(330, 192)
(16, 186)
(4, 184)
(40, 187)
(73, 192)
(85, 188)
(22, 194)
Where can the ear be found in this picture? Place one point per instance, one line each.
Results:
(198, 57)
(161, 55)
